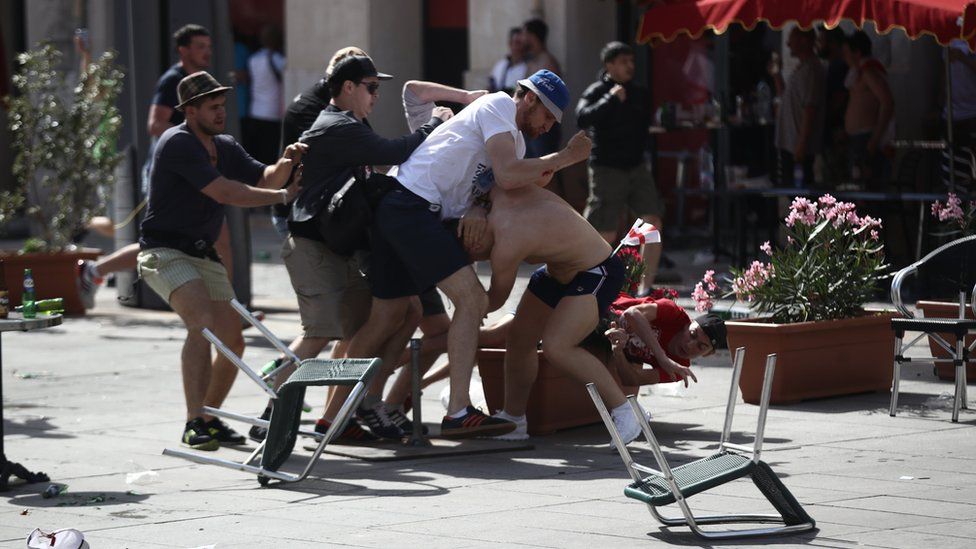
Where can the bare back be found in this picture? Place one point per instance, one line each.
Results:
(863, 107)
(537, 226)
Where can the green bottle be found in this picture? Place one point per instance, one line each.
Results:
(51, 306)
(29, 308)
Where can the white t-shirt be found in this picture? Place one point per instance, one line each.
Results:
(505, 74)
(266, 89)
(417, 112)
(451, 167)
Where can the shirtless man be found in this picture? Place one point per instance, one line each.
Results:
(869, 110)
(565, 299)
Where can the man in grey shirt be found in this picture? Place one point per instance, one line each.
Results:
(799, 123)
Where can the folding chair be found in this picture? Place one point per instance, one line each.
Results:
(283, 427)
(666, 485)
(945, 274)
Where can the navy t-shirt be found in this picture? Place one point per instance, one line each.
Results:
(166, 92)
(177, 209)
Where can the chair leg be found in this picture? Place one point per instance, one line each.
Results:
(895, 379)
(959, 389)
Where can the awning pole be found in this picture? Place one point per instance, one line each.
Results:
(949, 132)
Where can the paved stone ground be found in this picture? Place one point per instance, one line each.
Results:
(100, 397)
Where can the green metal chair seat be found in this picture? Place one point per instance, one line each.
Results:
(692, 478)
(286, 414)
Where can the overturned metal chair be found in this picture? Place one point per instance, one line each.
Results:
(946, 273)
(667, 485)
(284, 425)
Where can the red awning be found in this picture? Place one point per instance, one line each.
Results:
(945, 20)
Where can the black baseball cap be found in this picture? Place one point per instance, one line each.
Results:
(714, 328)
(355, 68)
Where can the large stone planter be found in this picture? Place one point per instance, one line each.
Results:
(54, 276)
(557, 401)
(816, 359)
(941, 309)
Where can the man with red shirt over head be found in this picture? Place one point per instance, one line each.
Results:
(660, 333)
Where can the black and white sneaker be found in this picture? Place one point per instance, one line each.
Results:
(378, 422)
(402, 421)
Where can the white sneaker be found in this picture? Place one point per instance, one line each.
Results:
(521, 431)
(626, 424)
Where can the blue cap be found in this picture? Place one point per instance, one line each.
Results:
(550, 89)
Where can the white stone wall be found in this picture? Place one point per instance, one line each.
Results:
(389, 31)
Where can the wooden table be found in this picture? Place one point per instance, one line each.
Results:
(16, 323)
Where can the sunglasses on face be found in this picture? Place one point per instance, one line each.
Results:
(371, 87)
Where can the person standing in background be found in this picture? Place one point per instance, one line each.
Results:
(870, 111)
(537, 57)
(799, 122)
(510, 69)
(266, 68)
(962, 74)
(617, 113)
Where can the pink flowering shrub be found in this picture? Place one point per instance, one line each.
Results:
(829, 268)
(954, 220)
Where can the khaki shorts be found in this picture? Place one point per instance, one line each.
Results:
(166, 269)
(614, 191)
(333, 296)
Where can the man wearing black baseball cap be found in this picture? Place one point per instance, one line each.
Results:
(196, 170)
(343, 148)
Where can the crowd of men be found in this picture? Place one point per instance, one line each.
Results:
(460, 189)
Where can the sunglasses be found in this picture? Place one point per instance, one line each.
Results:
(371, 87)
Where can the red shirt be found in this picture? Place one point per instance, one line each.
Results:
(671, 320)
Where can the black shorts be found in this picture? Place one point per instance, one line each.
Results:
(603, 281)
(432, 303)
(412, 250)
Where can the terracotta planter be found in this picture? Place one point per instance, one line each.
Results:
(941, 309)
(816, 359)
(54, 276)
(557, 401)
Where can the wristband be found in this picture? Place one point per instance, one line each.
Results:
(284, 196)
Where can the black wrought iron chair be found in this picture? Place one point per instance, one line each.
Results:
(948, 273)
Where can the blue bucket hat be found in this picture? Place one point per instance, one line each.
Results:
(550, 89)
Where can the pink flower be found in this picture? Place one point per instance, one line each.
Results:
(869, 222)
(840, 213)
(767, 248)
(952, 211)
(874, 234)
(709, 280)
(802, 210)
(827, 201)
(703, 300)
(755, 277)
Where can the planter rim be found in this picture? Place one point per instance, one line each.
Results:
(76, 251)
(870, 317)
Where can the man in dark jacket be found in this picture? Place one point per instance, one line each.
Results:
(330, 290)
(617, 112)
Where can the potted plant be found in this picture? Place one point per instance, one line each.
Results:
(811, 294)
(954, 221)
(64, 143)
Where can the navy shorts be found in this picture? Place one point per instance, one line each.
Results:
(411, 249)
(432, 303)
(603, 281)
